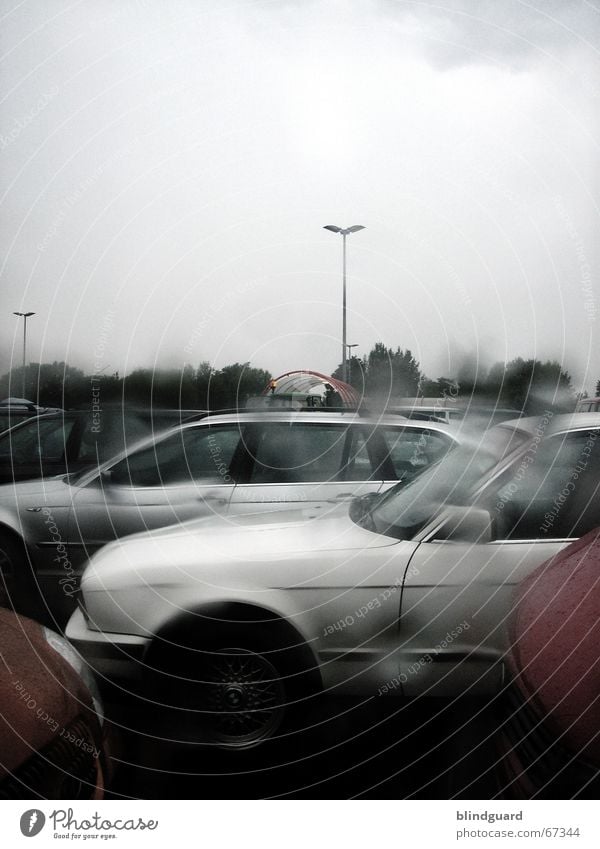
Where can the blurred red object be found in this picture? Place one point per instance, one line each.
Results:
(550, 738)
(51, 733)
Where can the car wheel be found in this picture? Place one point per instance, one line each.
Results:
(244, 697)
(234, 689)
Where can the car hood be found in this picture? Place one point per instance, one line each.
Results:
(257, 537)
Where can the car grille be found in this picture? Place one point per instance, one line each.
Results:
(539, 762)
(61, 770)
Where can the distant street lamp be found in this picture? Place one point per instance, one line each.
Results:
(349, 346)
(24, 316)
(344, 231)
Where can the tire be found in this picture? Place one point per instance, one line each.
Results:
(240, 689)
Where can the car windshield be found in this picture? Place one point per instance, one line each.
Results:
(405, 510)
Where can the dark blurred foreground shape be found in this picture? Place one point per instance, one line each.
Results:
(51, 729)
(550, 735)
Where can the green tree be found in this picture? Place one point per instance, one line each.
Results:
(391, 374)
(233, 385)
(530, 385)
(357, 371)
(428, 388)
(443, 387)
(383, 374)
(167, 388)
(204, 374)
(49, 384)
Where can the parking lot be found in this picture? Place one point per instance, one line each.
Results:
(377, 749)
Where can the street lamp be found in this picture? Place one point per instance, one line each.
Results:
(349, 346)
(24, 316)
(344, 232)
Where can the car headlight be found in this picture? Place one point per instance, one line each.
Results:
(76, 662)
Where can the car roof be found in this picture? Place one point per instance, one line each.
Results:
(554, 422)
(322, 415)
(284, 417)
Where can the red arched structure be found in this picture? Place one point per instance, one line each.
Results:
(304, 381)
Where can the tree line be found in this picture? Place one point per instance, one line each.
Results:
(386, 374)
(383, 376)
(58, 384)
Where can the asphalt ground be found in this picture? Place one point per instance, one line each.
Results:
(381, 748)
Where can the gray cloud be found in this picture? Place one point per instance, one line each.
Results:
(167, 155)
(512, 32)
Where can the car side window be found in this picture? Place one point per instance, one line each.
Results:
(193, 455)
(413, 450)
(298, 453)
(552, 491)
(106, 435)
(43, 440)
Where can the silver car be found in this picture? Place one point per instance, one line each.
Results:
(240, 619)
(226, 464)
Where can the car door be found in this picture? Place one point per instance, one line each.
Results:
(307, 464)
(188, 474)
(38, 448)
(457, 595)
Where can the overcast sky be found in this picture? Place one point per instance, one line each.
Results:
(168, 166)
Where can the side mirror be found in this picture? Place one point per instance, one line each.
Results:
(466, 524)
(102, 481)
(361, 505)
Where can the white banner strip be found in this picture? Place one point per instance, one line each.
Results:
(298, 824)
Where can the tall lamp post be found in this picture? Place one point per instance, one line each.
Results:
(24, 316)
(350, 346)
(345, 231)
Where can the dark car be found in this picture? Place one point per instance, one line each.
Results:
(64, 442)
(550, 736)
(15, 410)
(52, 742)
